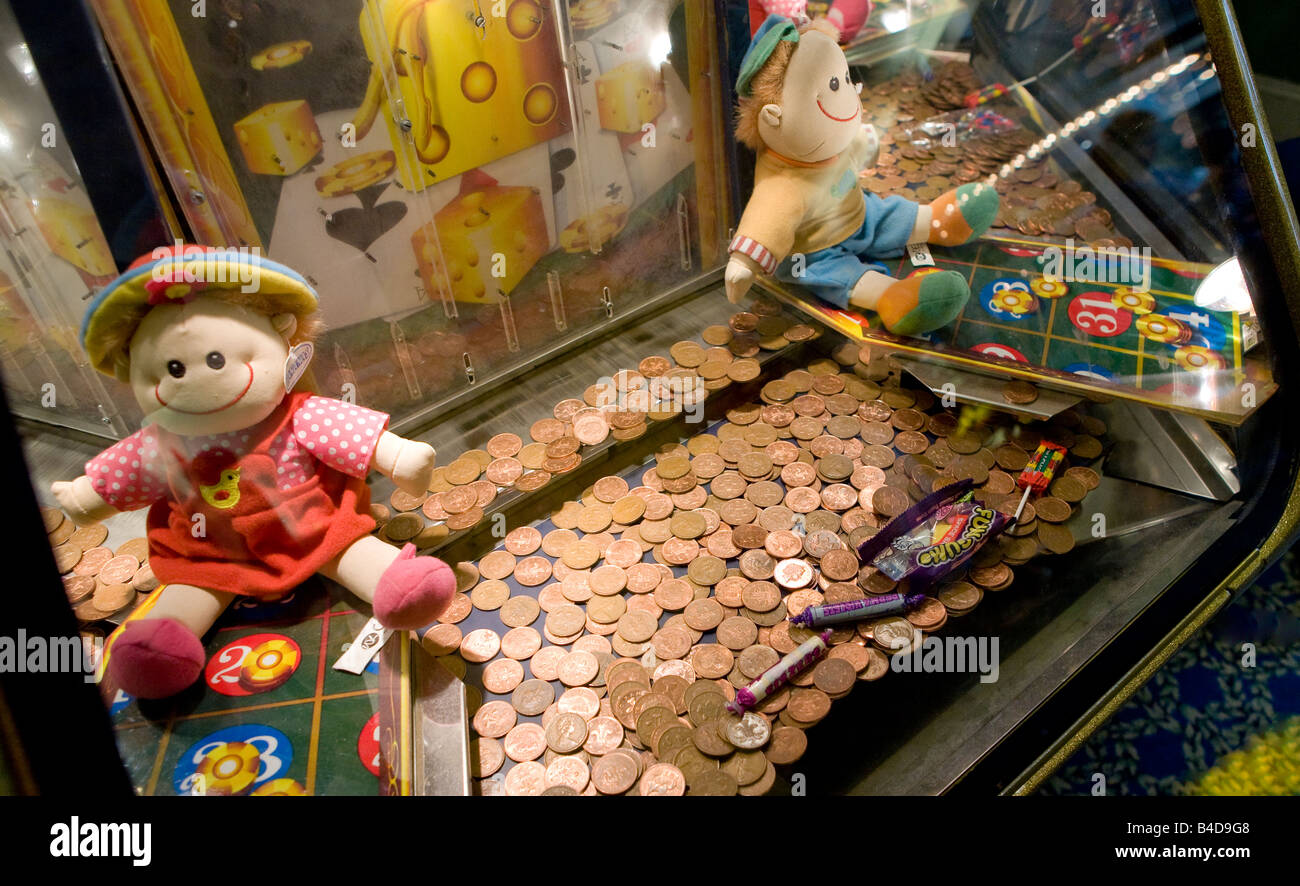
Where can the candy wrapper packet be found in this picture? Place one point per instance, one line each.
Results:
(933, 537)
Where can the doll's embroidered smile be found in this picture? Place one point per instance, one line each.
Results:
(833, 117)
(238, 397)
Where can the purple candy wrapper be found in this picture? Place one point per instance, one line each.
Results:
(903, 549)
(782, 672)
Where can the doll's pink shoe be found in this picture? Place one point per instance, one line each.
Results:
(849, 16)
(413, 591)
(155, 658)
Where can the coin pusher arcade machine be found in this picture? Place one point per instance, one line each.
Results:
(516, 216)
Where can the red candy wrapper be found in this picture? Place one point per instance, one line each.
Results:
(1039, 471)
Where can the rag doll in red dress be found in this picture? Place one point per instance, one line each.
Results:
(252, 484)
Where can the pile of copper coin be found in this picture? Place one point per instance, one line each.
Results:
(100, 582)
(1037, 200)
(621, 408)
(601, 646)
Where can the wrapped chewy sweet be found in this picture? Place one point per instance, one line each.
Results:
(933, 537)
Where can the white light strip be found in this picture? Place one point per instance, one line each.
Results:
(1089, 117)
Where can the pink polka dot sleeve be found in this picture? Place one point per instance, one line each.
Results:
(128, 475)
(340, 435)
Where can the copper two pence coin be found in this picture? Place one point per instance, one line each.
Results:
(889, 501)
(532, 571)
(494, 719)
(90, 536)
(809, 705)
(1019, 392)
(502, 676)
(929, 615)
(480, 645)
(523, 541)
(1056, 538)
(136, 547)
(834, 676)
(1052, 509)
(443, 639)
(66, 556)
(840, 565)
(614, 773)
(404, 501)
(990, 576)
(547, 430)
(119, 570)
(1086, 476)
(1068, 488)
(787, 745)
(92, 561)
(504, 446)
(532, 697)
(112, 597)
(53, 518)
(78, 587)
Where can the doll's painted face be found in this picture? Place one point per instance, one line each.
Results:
(820, 110)
(208, 367)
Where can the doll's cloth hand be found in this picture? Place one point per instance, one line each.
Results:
(79, 499)
(867, 146)
(409, 463)
(739, 276)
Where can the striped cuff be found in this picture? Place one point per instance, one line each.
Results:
(755, 250)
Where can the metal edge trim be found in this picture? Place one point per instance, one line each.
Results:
(406, 778)
(1269, 192)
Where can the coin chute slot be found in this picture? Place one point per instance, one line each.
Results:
(557, 300)
(684, 231)
(508, 324)
(403, 351)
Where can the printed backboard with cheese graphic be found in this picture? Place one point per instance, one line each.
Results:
(466, 183)
(640, 136)
(472, 82)
(486, 229)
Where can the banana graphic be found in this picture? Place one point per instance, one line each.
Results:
(382, 29)
(407, 34)
(365, 116)
(224, 493)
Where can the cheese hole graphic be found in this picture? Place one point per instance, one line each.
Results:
(478, 82)
(523, 19)
(540, 104)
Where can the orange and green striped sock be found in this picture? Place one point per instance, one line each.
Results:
(962, 214)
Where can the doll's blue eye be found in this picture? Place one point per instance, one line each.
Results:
(835, 84)
(176, 368)
(216, 360)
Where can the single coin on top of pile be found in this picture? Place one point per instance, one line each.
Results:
(662, 591)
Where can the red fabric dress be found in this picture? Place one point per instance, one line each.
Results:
(277, 500)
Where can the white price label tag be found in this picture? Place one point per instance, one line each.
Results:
(920, 255)
(364, 648)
